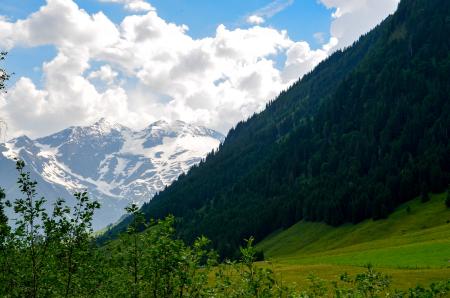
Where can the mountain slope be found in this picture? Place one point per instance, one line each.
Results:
(364, 132)
(412, 244)
(413, 224)
(116, 164)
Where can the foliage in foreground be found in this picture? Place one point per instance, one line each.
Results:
(54, 255)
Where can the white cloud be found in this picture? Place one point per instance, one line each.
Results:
(60, 23)
(214, 81)
(255, 20)
(105, 73)
(67, 98)
(300, 58)
(133, 5)
(352, 18)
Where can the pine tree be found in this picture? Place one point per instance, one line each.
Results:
(447, 200)
(424, 197)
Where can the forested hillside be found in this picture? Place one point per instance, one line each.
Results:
(365, 131)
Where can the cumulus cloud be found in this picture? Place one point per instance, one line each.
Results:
(255, 20)
(133, 5)
(214, 81)
(70, 27)
(300, 58)
(365, 13)
(105, 74)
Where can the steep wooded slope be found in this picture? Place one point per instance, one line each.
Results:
(367, 130)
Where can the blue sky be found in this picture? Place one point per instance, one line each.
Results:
(134, 61)
(302, 20)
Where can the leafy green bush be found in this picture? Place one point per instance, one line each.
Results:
(368, 284)
(42, 254)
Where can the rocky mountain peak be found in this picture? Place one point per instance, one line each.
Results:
(114, 163)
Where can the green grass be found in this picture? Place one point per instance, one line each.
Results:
(414, 246)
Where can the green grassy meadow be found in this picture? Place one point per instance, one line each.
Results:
(412, 245)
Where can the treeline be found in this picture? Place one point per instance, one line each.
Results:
(367, 130)
(54, 255)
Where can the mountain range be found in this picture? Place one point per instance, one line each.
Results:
(117, 165)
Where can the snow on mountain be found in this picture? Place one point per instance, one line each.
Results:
(115, 164)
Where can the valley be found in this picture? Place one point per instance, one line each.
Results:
(333, 179)
(412, 245)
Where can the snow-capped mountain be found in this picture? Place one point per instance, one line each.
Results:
(114, 163)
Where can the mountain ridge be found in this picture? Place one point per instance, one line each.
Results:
(116, 164)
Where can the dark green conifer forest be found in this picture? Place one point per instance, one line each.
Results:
(365, 131)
